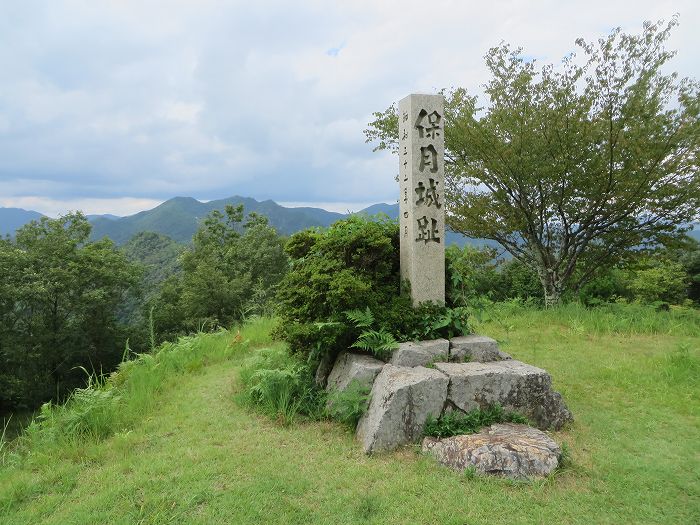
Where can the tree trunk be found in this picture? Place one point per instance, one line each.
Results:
(552, 287)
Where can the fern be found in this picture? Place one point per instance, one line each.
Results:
(361, 319)
(380, 342)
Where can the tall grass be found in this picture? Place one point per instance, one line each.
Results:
(624, 319)
(280, 385)
(116, 403)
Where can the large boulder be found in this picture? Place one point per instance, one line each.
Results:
(476, 348)
(508, 450)
(401, 400)
(421, 353)
(514, 385)
(351, 367)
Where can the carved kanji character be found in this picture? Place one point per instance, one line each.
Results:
(428, 124)
(427, 230)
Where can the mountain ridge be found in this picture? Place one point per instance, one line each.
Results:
(180, 217)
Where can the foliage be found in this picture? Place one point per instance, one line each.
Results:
(280, 385)
(571, 169)
(349, 405)
(380, 342)
(455, 423)
(471, 273)
(662, 281)
(60, 297)
(226, 275)
(352, 265)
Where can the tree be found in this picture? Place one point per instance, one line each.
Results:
(228, 272)
(59, 299)
(572, 169)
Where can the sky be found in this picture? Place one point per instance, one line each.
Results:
(117, 106)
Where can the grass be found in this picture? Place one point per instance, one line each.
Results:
(192, 454)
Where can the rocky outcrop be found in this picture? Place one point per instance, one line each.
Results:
(514, 385)
(475, 348)
(351, 367)
(401, 400)
(508, 450)
(421, 353)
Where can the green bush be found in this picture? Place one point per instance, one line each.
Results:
(352, 265)
(664, 281)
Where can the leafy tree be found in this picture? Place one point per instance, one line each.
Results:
(572, 168)
(228, 272)
(59, 300)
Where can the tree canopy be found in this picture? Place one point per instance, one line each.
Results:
(59, 302)
(572, 168)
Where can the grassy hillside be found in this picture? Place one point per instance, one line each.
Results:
(185, 452)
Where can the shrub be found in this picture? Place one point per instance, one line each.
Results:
(352, 265)
(663, 281)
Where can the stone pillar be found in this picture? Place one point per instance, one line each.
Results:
(421, 203)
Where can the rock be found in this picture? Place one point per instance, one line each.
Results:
(350, 367)
(505, 449)
(514, 385)
(476, 348)
(324, 368)
(401, 400)
(421, 353)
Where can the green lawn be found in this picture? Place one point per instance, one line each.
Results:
(196, 456)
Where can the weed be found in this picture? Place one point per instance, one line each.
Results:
(279, 385)
(456, 423)
(3, 440)
(470, 472)
(349, 405)
(368, 507)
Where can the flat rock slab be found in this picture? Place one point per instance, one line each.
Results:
(401, 400)
(351, 367)
(421, 353)
(476, 348)
(514, 385)
(504, 449)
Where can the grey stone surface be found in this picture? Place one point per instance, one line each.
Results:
(324, 368)
(350, 367)
(421, 353)
(421, 201)
(477, 348)
(401, 400)
(508, 450)
(514, 385)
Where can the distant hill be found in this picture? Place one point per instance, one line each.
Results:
(109, 216)
(179, 218)
(13, 218)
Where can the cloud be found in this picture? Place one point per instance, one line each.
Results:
(133, 102)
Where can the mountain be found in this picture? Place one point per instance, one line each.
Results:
(179, 218)
(13, 218)
(109, 216)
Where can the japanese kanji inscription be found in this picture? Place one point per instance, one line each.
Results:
(422, 179)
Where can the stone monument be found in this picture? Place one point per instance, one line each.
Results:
(421, 203)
